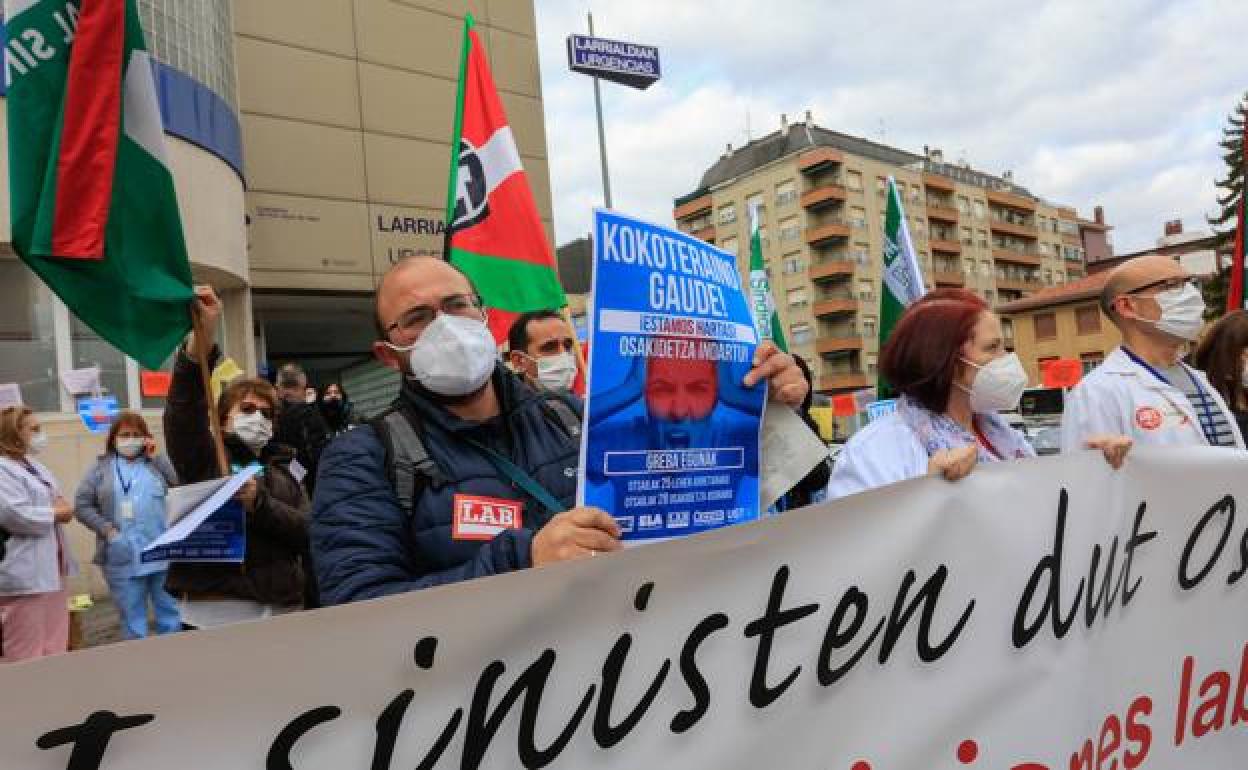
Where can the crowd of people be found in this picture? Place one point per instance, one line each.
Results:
(343, 510)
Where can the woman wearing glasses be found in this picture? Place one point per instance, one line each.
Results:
(272, 578)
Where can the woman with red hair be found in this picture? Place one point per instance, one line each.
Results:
(947, 361)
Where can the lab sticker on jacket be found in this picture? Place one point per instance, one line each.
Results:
(483, 518)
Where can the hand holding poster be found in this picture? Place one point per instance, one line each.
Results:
(672, 442)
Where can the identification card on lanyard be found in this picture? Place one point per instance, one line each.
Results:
(127, 504)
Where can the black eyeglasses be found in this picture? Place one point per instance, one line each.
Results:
(247, 408)
(414, 320)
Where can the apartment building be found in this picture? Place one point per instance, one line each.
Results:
(821, 194)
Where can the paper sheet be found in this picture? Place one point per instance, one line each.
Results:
(790, 449)
(81, 381)
(10, 395)
(187, 523)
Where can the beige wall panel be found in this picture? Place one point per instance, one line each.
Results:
(514, 15)
(310, 281)
(409, 37)
(308, 234)
(285, 156)
(293, 83)
(406, 172)
(398, 232)
(322, 25)
(455, 8)
(6, 227)
(524, 114)
(513, 60)
(210, 200)
(407, 103)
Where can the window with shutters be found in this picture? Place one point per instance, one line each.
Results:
(1088, 320)
(1045, 326)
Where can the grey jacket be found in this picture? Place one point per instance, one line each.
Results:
(30, 564)
(93, 502)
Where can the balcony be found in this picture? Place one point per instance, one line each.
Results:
(949, 278)
(1002, 198)
(819, 234)
(1016, 257)
(942, 213)
(1009, 228)
(943, 246)
(831, 270)
(818, 159)
(838, 344)
(1016, 284)
(823, 195)
(690, 209)
(830, 308)
(706, 233)
(843, 381)
(938, 182)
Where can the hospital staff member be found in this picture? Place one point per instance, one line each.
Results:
(947, 359)
(1143, 389)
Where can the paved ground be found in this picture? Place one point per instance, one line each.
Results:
(99, 624)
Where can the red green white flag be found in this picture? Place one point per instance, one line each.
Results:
(494, 233)
(92, 201)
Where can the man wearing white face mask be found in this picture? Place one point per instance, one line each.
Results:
(1143, 390)
(947, 360)
(471, 472)
(541, 348)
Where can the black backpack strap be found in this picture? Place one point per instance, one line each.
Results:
(563, 411)
(408, 465)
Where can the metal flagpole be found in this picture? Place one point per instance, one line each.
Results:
(602, 135)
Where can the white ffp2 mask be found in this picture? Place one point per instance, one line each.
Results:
(998, 385)
(1182, 312)
(453, 356)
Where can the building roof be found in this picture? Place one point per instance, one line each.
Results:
(803, 135)
(1075, 291)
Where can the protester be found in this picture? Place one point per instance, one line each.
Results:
(947, 360)
(1223, 356)
(1143, 389)
(34, 600)
(541, 348)
(122, 500)
(813, 488)
(299, 423)
(273, 577)
(464, 435)
(336, 409)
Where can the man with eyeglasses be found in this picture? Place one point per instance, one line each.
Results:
(472, 472)
(542, 349)
(1143, 391)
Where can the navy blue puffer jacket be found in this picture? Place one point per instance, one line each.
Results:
(364, 545)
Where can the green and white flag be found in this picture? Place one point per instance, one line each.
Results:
(902, 280)
(766, 320)
(93, 207)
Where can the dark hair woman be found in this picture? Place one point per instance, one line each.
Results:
(1223, 356)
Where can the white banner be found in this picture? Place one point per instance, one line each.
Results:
(1039, 615)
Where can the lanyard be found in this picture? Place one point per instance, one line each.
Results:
(1207, 419)
(125, 486)
(31, 470)
(521, 479)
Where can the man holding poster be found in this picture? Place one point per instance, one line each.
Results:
(673, 409)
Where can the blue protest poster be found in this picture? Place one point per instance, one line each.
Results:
(672, 436)
(97, 414)
(222, 537)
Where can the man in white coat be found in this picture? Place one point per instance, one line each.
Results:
(1143, 390)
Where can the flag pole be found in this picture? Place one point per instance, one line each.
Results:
(202, 346)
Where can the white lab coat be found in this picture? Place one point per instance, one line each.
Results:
(1122, 398)
(884, 452)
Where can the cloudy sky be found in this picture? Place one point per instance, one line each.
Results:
(1111, 102)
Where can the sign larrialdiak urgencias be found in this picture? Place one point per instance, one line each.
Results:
(628, 64)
